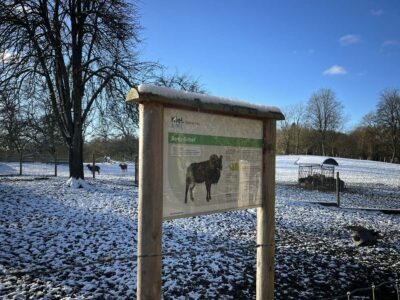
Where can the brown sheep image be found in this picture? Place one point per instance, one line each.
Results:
(207, 171)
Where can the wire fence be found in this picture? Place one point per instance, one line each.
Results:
(373, 196)
(31, 164)
(381, 195)
(70, 263)
(373, 292)
(47, 269)
(42, 165)
(99, 166)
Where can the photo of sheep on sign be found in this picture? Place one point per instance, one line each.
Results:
(212, 163)
(207, 171)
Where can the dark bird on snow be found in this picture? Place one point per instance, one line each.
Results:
(362, 236)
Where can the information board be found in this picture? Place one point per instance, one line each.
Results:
(211, 163)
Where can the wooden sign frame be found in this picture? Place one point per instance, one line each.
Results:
(152, 101)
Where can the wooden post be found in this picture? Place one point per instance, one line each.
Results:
(337, 189)
(20, 163)
(55, 164)
(266, 217)
(136, 170)
(93, 165)
(149, 247)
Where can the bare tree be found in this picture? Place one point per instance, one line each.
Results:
(285, 134)
(119, 119)
(46, 134)
(122, 118)
(365, 137)
(79, 48)
(388, 117)
(292, 127)
(179, 81)
(324, 113)
(298, 116)
(14, 130)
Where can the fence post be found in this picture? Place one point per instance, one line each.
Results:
(136, 170)
(93, 164)
(55, 164)
(149, 246)
(373, 291)
(337, 189)
(20, 163)
(266, 217)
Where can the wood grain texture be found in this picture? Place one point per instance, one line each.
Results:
(337, 189)
(150, 202)
(266, 217)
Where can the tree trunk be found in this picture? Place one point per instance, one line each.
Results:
(323, 145)
(297, 142)
(393, 150)
(287, 148)
(76, 156)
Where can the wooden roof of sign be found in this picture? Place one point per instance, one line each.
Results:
(170, 97)
(316, 161)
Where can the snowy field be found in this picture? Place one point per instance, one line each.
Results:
(47, 169)
(368, 184)
(352, 171)
(63, 243)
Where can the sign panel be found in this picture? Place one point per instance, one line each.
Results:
(211, 163)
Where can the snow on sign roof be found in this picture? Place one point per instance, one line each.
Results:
(316, 160)
(149, 93)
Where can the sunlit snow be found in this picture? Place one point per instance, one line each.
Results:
(59, 242)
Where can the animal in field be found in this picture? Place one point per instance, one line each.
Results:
(362, 236)
(124, 167)
(96, 168)
(207, 171)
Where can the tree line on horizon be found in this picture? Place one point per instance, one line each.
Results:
(316, 128)
(312, 128)
(29, 127)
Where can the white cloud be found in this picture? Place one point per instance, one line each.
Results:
(376, 12)
(335, 70)
(350, 39)
(389, 43)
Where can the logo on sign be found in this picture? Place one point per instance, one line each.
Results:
(177, 123)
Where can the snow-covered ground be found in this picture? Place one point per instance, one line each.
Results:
(368, 184)
(352, 171)
(107, 170)
(58, 242)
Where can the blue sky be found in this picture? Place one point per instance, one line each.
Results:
(279, 52)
